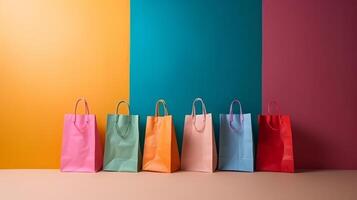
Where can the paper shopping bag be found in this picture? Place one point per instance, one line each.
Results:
(160, 148)
(236, 141)
(198, 147)
(81, 147)
(275, 145)
(122, 148)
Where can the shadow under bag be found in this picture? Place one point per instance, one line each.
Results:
(122, 148)
(236, 141)
(81, 147)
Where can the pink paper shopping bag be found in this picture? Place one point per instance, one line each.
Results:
(81, 147)
(199, 147)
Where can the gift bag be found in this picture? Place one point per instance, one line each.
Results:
(275, 147)
(122, 148)
(81, 147)
(160, 148)
(236, 141)
(198, 147)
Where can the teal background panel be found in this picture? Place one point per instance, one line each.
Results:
(182, 49)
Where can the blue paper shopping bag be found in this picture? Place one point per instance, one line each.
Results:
(236, 141)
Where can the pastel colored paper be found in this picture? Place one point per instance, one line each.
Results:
(199, 147)
(81, 147)
(275, 146)
(236, 141)
(160, 149)
(122, 149)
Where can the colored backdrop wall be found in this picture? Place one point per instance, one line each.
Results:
(54, 51)
(184, 49)
(310, 67)
(51, 52)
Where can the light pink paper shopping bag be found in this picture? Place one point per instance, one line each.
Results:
(199, 147)
(81, 147)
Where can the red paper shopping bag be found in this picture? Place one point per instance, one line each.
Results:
(275, 147)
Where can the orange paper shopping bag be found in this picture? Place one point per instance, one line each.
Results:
(160, 149)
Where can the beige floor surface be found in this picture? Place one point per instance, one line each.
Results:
(52, 184)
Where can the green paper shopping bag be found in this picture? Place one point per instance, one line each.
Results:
(122, 148)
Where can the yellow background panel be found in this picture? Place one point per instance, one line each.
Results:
(52, 52)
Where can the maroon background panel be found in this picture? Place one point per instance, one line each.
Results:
(310, 68)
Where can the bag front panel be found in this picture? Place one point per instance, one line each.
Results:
(236, 143)
(78, 143)
(198, 148)
(275, 144)
(122, 143)
(157, 147)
